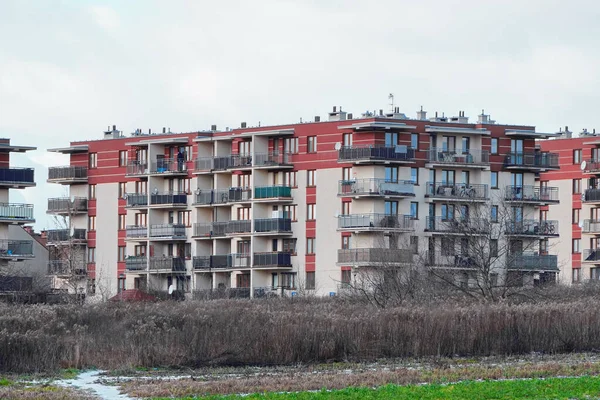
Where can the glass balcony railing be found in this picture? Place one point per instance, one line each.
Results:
(377, 153)
(591, 226)
(457, 190)
(16, 212)
(530, 193)
(168, 166)
(66, 205)
(136, 263)
(264, 225)
(457, 225)
(277, 259)
(16, 248)
(375, 187)
(16, 176)
(537, 160)
(591, 196)
(136, 231)
(223, 196)
(449, 259)
(458, 156)
(167, 231)
(532, 227)
(268, 192)
(66, 235)
(375, 256)
(137, 167)
(137, 199)
(172, 264)
(533, 262)
(168, 198)
(67, 173)
(272, 159)
(376, 222)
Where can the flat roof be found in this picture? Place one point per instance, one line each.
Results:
(377, 125)
(525, 132)
(158, 141)
(452, 129)
(80, 148)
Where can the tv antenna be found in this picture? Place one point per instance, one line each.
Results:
(391, 98)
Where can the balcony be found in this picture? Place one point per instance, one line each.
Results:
(591, 226)
(273, 160)
(16, 177)
(238, 227)
(532, 227)
(167, 264)
(374, 257)
(591, 166)
(67, 237)
(533, 262)
(136, 200)
(208, 230)
(167, 232)
(221, 262)
(457, 191)
(531, 194)
(67, 206)
(376, 222)
(374, 187)
(168, 199)
(16, 213)
(240, 161)
(136, 232)
(223, 196)
(210, 164)
(137, 168)
(458, 158)
(136, 263)
(67, 175)
(270, 193)
(275, 226)
(276, 259)
(460, 226)
(67, 268)
(447, 259)
(16, 249)
(591, 196)
(368, 154)
(531, 161)
(591, 256)
(168, 166)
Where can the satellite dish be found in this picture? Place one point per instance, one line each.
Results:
(337, 214)
(171, 289)
(155, 191)
(197, 191)
(581, 224)
(338, 146)
(583, 165)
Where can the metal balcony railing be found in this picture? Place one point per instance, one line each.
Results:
(66, 205)
(16, 212)
(268, 192)
(175, 198)
(376, 222)
(272, 159)
(457, 156)
(65, 235)
(449, 259)
(13, 176)
(533, 261)
(67, 173)
(591, 195)
(531, 160)
(273, 225)
(167, 230)
(591, 255)
(16, 248)
(592, 166)
(212, 163)
(591, 226)
(137, 199)
(531, 193)
(168, 166)
(136, 231)
(223, 196)
(240, 161)
(375, 256)
(375, 187)
(532, 227)
(238, 226)
(136, 263)
(137, 167)
(219, 261)
(457, 190)
(272, 259)
(65, 267)
(457, 225)
(175, 264)
(213, 229)
(398, 153)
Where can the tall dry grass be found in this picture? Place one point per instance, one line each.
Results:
(35, 338)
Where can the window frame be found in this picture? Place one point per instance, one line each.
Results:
(311, 211)
(311, 144)
(494, 146)
(311, 243)
(494, 185)
(311, 178)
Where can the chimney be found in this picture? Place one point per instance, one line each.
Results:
(243, 124)
(349, 115)
(114, 128)
(164, 129)
(150, 131)
(317, 118)
(568, 134)
(334, 109)
(436, 115)
(422, 115)
(380, 112)
(213, 128)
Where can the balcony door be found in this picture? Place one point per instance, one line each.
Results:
(516, 151)
(391, 208)
(391, 139)
(391, 174)
(449, 144)
(516, 181)
(243, 247)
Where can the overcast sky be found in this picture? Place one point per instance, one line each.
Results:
(68, 69)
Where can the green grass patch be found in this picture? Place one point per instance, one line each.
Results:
(552, 388)
(69, 373)
(5, 382)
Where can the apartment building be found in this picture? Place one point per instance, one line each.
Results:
(304, 206)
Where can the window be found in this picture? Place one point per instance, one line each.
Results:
(577, 156)
(184, 218)
(494, 180)
(310, 246)
(345, 242)
(141, 187)
(391, 208)
(312, 144)
(188, 153)
(244, 147)
(448, 177)
(92, 223)
(288, 280)
(290, 145)
(243, 213)
(576, 276)
(244, 180)
(465, 144)
(347, 139)
(93, 160)
(576, 246)
(275, 280)
(447, 212)
(140, 250)
(414, 175)
(290, 212)
(122, 158)
(494, 214)
(414, 141)
(493, 247)
(575, 216)
(289, 246)
(122, 253)
(391, 139)
(346, 207)
(447, 246)
(122, 218)
(414, 210)
(122, 189)
(141, 219)
(347, 173)
(289, 179)
(577, 186)
(91, 259)
(494, 149)
(311, 178)
(310, 281)
(465, 177)
(414, 244)
(346, 277)
(183, 185)
(92, 191)
(311, 212)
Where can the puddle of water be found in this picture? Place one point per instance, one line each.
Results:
(90, 381)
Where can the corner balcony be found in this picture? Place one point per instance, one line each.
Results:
(136, 200)
(67, 206)
(457, 192)
(376, 154)
(271, 260)
(532, 262)
(136, 168)
(136, 263)
(65, 268)
(168, 200)
(531, 161)
(168, 166)
(267, 194)
(591, 226)
(529, 194)
(16, 249)
(167, 232)
(272, 226)
(376, 188)
(240, 161)
(167, 264)
(591, 256)
(457, 226)
(458, 158)
(375, 223)
(67, 237)
(591, 196)
(273, 160)
(136, 232)
(16, 178)
(374, 257)
(16, 213)
(591, 166)
(532, 228)
(449, 260)
(67, 175)
(216, 197)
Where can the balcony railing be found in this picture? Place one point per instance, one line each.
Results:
(136, 167)
(532, 227)
(591, 226)
(240, 161)
(375, 187)
(175, 264)
(269, 192)
(592, 166)
(67, 173)
(264, 225)
(533, 262)
(212, 163)
(272, 159)
(65, 205)
(457, 191)
(167, 231)
(529, 193)
(376, 222)
(16, 176)
(16, 212)
(449, 259)
(137, 199)
(223, 196)
(272, 259)
(531, 160)
(136, 231)
(221, 228)
(379, 256)
(65, 235)
(136, 263)
(379, 153)
(16, 248)
(168, 198)
(468, 157)
(591, 255)
(65, 267)
(221, 261)
(238, 226)
(168, 166)
(457, 225)
(591, 196)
